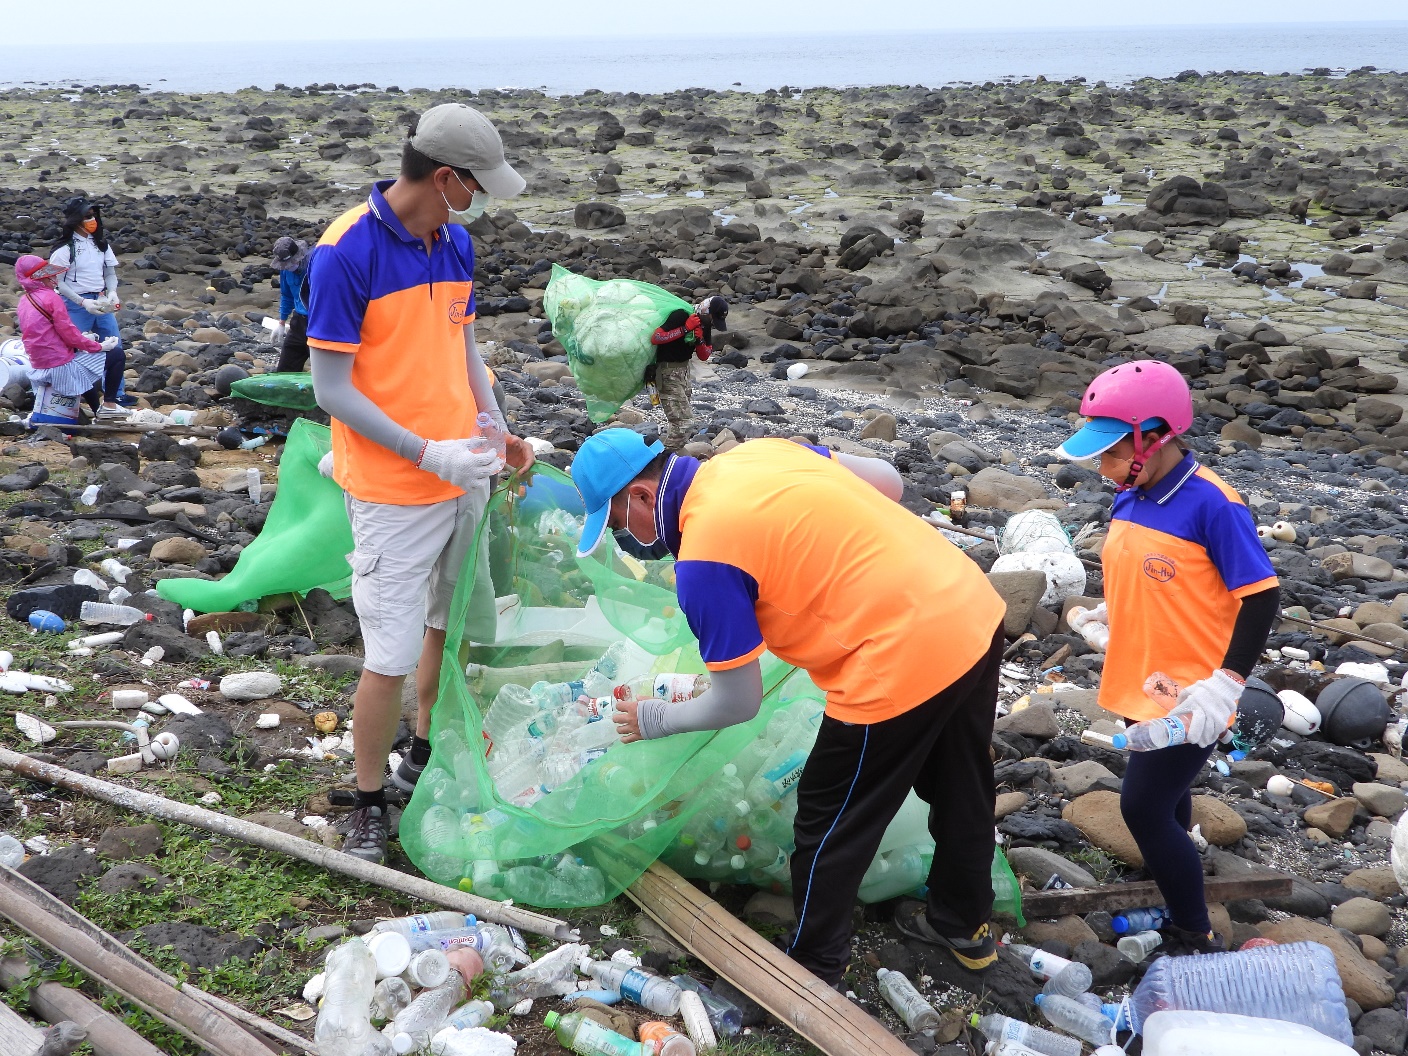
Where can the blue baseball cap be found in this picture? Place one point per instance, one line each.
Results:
(1099, 435)
(605, 464)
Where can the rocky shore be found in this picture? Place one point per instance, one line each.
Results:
(927, 276)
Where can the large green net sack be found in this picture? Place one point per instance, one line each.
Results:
(605, 328)
(304, 542)
(529, 795)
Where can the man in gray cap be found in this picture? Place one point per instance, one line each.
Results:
(391, 331)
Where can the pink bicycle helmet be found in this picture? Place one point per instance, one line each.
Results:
(1146, 394)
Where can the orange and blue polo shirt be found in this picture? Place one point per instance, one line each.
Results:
(1179, 558)
(777, 548)
(376, 294)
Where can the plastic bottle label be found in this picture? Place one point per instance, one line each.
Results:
(633, 984)
(674, 688)
(785, 776)
(1177, 732)
(1048, 964)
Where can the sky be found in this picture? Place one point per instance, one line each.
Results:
(109, 22)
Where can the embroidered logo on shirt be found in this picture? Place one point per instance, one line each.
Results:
(459, 310)
(1160, 568)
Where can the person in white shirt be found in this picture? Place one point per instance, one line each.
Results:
(89, 281)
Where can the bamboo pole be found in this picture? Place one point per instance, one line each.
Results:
(782, 986)
(107, 1034)
(201, 1023)
(1319, 625)
(270, 839)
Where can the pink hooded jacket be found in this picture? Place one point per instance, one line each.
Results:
(50, 337)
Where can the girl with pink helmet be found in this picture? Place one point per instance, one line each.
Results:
(1191, 593)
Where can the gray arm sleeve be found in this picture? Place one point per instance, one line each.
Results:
(335, 393)
(876, 472)
(733, 696)
(70, 293)
(479, 384)
(110, 279)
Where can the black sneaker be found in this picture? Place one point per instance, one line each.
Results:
(974, 952)
(364, 834)
(407, 774)
(64, 600)
(1180, 942)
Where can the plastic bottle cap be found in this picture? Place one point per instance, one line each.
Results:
(743, 843)
(1039, 998)
(550, 1020)
(403, 1042)
(1119, 740)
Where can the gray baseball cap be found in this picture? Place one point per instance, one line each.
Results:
(460, 136)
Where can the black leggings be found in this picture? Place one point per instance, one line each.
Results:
(114, 363)
(1157, 803)
(294, 355)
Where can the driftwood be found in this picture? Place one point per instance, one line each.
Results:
(1114, 897)
(107, 1034)
(273, 840)
(743, 957)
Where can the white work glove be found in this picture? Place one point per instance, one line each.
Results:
(92, 307)
(325, 465)
(277, 335)
(1207, 708)
(456, 462)
(109, 343)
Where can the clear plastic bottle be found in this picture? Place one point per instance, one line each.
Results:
(471, 1014)
(1074, 1018)
(586, 1037)
(778, 776)
(1064, 977)
(622, 661)
(114, 569)
(636, 984)
(414, 1024)
(762, 856)
(671, 688)
(999, 1029)
(724, 1016)
(1138, 946)
(427, 969)
(902, 996)
(11, 851)
(344, 1023)
(86, 577)
(115, 615)
(390, 996)
(550, 695)
(513, 706)
(422, 923)
(490, 438)
(1138, 920)
(578, 884)
(1296, 982)
(1151, 735)
(768, 824)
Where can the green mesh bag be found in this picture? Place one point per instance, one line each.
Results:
(293, 390)
(528, 795)
(605, 327)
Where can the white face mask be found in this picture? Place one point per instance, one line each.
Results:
(478, 202)
(643, 542)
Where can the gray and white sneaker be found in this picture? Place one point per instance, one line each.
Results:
(365, 833)
(406, 775)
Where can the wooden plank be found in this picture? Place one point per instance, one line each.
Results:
(736, 952)
(18, 1037)
(1113, 897)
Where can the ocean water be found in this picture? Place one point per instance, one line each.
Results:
(751, 63)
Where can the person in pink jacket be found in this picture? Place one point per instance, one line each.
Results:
(60, 354)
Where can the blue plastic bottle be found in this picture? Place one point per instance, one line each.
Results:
(46, 622)
(1132, 920)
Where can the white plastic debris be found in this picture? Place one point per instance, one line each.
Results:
(178, 704)
(267, 721)
(212, 639)
(797, 371)
(153, 656)
(164, 746)
(1373, 672)
(23, 682)
(37, 731)
(251, 685)
(1065, 574)
(129, 699)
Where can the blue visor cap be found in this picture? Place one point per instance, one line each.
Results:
(605, 464)
(1099, 435)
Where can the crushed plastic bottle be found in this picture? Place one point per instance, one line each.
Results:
(586, 1037)
(98, 612)
(86, 577)
(1000, 1029)
(472, 1014)
(344, 1023)
(1138, 946)
(1074, 1018)
(390, 996)
(114, 569)
(724, 1016)
(420, 923)
(645, 988)
(1062, 976)
(902, 996)
(1138, 920)
(417, 1022)
(490, 438)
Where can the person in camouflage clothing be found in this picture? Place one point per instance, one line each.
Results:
(684, 334)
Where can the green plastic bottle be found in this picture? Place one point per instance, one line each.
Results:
(587, 1037)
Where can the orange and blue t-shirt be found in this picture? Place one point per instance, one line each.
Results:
(783, 550)
(377, 294)
(1178, 559)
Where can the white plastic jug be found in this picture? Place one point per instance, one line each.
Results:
(1178, 1033)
